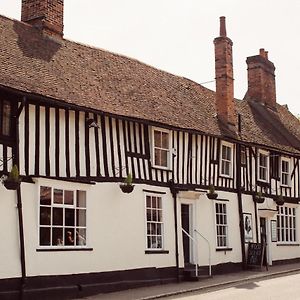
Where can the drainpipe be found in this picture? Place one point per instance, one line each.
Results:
(240, 203)
(19, 204)
(22, 242)
(174, 193)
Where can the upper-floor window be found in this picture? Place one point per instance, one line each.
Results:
(161, 148)
(263, 166)
(62, 218)
(221, 224)
(154, 222)
(5, 118)
(286, 224)
(243, 155)
(226, 160)
(285, 171)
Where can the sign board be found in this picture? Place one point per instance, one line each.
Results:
(256, 253)
(273, 231)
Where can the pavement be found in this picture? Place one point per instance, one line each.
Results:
(203, 285)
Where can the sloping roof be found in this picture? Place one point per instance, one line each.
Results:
(95, 78)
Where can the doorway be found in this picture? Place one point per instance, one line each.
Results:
(263, 237)
(186, 225)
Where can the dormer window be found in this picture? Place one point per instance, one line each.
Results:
(161, 148)
(5, 118)
(263, 166)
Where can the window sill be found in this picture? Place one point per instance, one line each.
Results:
(156, 251)
(62, 249)
(288, 244)
(226, 176)
(168, 169)
(223, 249)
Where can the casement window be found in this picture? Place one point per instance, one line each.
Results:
(62, 217)
(154, 222)
(263, 166)
(285, 172)
(5, 118)
(221, 224)
(161, 148)
(286, 224)
(243, 155)
(226, 159)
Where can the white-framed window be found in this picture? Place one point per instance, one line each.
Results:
(263, 166)
(154, 222)
(226, 159)
(161, 148)
(243, 155)
(285, 171)
(62, 217)
(221, 224)
(5, 118)
(286, 224)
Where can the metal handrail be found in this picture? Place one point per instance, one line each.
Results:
(209, 251)
(196, 252)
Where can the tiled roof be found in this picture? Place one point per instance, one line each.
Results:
(95, 78)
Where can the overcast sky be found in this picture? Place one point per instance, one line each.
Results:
(177, 35)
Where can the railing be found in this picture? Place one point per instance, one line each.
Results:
(196, 252)
(209, 251)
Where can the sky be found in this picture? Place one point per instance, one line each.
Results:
(177, 35)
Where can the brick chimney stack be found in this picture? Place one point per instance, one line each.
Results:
(224, 77)
(46, 15)
(261, 79)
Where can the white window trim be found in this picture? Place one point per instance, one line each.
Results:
(163, 221)
(68, 187)
(227, 225)
(289, 171)
(223, 143)
(169, 158)
(267, 168)
(289, 216)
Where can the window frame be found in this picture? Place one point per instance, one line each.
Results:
(286, 160)
(162, 222)
(64, 227)
(169, 160)
(226, 246)
(231, 146)
(286, 215)
(267, 167)
(3, 136)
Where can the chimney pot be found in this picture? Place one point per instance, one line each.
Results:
(223, 27)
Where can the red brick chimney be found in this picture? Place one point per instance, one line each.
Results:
(224, 77)
(46, 15)
(261, 79)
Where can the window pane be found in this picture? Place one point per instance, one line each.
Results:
(45, 215)
(45, 195)
(157, 138)
(165, 140)
(69, 236)
(81, 218)
(44, 236)
(6, 118)
(69, 197)
(81, 237)
(164, 158)
(57, 216)
(81, 198)
(157, 161)
(69, 217)
(57, 237)
(58, 196)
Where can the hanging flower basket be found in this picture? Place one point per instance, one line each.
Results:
(258, 198)
(126, 188)
(211, 193)
(12, 181)
(11, 185)
(279, 200)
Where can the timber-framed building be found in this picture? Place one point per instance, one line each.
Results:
(78, 120)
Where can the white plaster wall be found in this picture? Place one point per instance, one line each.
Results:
(115, 231)
(9, 235)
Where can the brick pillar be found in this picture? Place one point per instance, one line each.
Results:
(224, 77)
(261, 79)
(46, 15)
